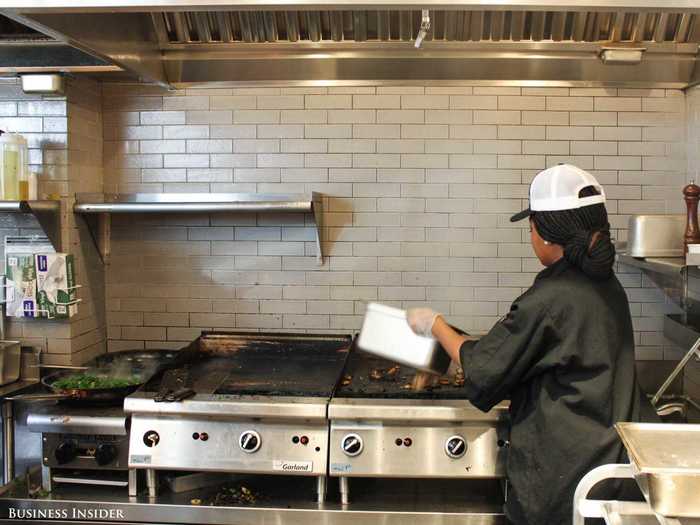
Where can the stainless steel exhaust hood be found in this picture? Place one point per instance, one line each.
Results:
(23, 50)
(221, 42)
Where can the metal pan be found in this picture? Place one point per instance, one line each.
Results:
(144, 363)
(87, 396)
(666, 464)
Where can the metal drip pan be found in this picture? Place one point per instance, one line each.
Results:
(666, 460)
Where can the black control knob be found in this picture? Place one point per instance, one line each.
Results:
(105, 453)
(352, 445)
(455, 447)
(65, 452)
(151, 438)
(250, 441)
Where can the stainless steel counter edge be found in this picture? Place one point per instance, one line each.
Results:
(17, 386)
(416, 410)
(328, 514)
(234, 407)
(194, 207)
(198, 203)
(76, 424)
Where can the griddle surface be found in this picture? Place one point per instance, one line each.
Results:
(359, 367)
(309, 368)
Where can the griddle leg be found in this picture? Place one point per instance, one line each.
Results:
(8, 442)
(46, 480)
(321, 487)
(344, 490)
(152, 483)
(133, 482)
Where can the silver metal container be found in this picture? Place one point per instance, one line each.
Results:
(692, 258)
(666, 462)
(9, 362)
(656, 236)
(385, 332)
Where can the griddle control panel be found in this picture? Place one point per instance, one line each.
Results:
(85, 451)
(415, 449)
(455, 447)
(352, 445)
(249, 441)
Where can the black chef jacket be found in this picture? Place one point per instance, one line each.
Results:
(564, 356)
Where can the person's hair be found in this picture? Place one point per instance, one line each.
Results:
(584, 233)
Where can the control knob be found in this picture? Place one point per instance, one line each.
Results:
(250, 441)
(105, 453)
(455, 447)
(352, 445)
(65, 452)
(151, 438)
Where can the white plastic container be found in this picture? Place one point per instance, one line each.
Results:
(385, 332)
(14, 165)
(33, 186)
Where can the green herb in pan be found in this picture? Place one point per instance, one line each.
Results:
(89, 382)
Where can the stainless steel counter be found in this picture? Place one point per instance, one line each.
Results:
(17, 387)
(401, 502)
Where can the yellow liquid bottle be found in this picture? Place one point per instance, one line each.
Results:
(10, 170)
(13, 164)
(24, 190)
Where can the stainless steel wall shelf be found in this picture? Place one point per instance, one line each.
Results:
(103, 205)
(672, 266)
(670, 274)
(47, 213)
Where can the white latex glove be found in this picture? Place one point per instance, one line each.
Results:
(421, 320)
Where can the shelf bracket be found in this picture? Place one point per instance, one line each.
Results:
(99, 226)
(317, 208)
(47, 213)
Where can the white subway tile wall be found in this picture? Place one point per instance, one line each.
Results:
(418, 184)
(64, 135)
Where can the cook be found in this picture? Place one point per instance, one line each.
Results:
(563, 355)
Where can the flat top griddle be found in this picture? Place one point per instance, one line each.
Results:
(388, 383)
(261, 365)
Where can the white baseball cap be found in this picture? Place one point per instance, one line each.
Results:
(558, 188)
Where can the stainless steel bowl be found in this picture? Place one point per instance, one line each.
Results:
(656, 236)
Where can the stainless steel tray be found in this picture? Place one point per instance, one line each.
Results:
(666, 460)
